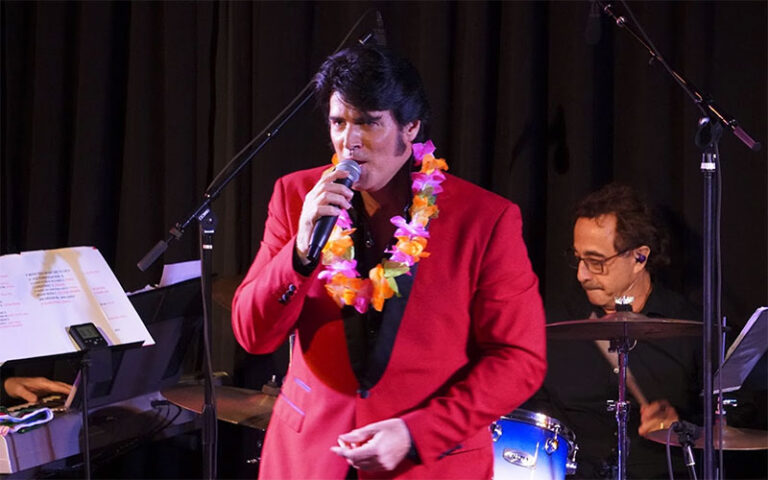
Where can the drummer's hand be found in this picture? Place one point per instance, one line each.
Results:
(28, 388)
(656, 415)
(326, 198)
(379, 446)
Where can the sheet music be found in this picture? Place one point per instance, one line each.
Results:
(174, 273)
(744, 353)
(43, 292)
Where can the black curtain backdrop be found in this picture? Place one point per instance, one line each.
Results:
(116, 115)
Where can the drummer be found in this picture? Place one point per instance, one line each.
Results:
(617, 249)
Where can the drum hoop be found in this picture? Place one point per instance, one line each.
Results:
(542, 421)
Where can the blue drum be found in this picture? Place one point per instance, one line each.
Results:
(532, 446)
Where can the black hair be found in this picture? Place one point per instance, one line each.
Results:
(635, 223)
(374, 78)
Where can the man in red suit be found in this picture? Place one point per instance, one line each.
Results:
(414, 331)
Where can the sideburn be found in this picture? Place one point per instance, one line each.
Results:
(400, 146)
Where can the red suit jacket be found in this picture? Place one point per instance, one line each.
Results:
(470, 346)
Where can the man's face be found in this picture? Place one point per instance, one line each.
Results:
(593, 238)
(372, 139)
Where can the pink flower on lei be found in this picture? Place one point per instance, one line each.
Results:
(422, 149)
(401, 257)
(406, 229)
(344, 222)
(346, 267)
(421, 181)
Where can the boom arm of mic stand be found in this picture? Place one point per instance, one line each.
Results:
(239, 161)
(702, 101)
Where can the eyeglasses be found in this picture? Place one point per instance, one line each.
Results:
(594, 265)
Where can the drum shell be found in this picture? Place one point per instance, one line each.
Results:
(532, 446)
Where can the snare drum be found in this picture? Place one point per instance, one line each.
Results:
(532, 446)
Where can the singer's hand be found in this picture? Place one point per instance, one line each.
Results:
(325, 199)
(379, 446)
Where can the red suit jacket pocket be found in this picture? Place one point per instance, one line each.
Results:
(291, 405)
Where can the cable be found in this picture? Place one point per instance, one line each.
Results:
(669, 452)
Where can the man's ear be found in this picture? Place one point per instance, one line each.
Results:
(411, 130)
(641, 254)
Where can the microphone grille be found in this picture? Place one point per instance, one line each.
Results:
(351, 167)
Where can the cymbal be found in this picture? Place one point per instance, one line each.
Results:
(223, 290)
(234, 405)
(623, 324)
(733, 438)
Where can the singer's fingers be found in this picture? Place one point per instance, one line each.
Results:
(337, 199)
(333, 175)
(328, 211)
(328, 182)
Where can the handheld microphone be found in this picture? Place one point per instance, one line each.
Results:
(379, 34)
(324, 225)
(593, 31)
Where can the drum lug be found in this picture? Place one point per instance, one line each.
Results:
(570, 467)
(550, 446)
(570, 464)
(495, 431)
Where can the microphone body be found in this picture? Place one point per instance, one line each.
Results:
(324, 225)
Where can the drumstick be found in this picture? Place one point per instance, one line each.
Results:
(632, 386)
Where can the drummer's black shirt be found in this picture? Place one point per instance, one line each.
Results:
(579, 382)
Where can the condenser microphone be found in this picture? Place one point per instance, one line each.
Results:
(324, 225)
(379, 34)
(594, 30)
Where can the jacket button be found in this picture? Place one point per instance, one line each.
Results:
(363, 393)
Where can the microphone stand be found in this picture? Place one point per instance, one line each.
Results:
(711, 123)
(85, 364)
(687, 434)
(207, 221)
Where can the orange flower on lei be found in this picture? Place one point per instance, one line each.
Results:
(413, 247)
(382, 289)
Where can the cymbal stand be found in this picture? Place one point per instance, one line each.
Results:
(711, 124)
(622, 346)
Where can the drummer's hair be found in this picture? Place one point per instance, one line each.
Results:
(635, 223)
(375, 78)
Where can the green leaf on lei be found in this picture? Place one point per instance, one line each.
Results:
(349, 254)
(393, 285)
(394, 269)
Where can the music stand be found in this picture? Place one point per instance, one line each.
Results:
(173, 316)
(748, 348)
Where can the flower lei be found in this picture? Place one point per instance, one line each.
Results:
(342, 280)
